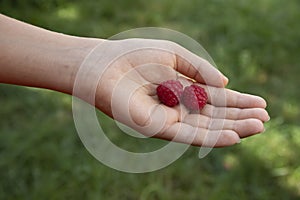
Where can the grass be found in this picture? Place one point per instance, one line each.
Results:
(255, 43)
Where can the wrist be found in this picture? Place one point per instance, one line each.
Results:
(72, 55)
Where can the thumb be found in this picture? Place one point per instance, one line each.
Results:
(199, 69)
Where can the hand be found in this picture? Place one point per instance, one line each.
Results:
(122, 77)
(127, 92)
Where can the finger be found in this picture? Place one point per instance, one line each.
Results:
(198, 68)
(231, 98)
(185, 133)
(185, 61)
(235, 113)
(243, 128)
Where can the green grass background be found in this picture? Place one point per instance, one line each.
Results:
(255, 43)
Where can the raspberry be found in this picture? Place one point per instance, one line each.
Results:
(169, 92)
(194, 97)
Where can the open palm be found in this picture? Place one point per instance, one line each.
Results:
(127, 92)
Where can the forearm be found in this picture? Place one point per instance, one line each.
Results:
(36, 57)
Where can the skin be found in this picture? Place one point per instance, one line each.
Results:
(36, 57)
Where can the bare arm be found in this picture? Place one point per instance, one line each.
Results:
(36, 57)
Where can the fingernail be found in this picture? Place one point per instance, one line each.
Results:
(267, 119)
(239, 141)
(226, 80)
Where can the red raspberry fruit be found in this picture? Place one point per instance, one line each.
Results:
(169, 92)
(194, 97)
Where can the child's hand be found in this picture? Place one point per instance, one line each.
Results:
(127, 92)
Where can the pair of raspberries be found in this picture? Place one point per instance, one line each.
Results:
(171, 92)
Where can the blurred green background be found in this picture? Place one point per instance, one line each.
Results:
(255, 43)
